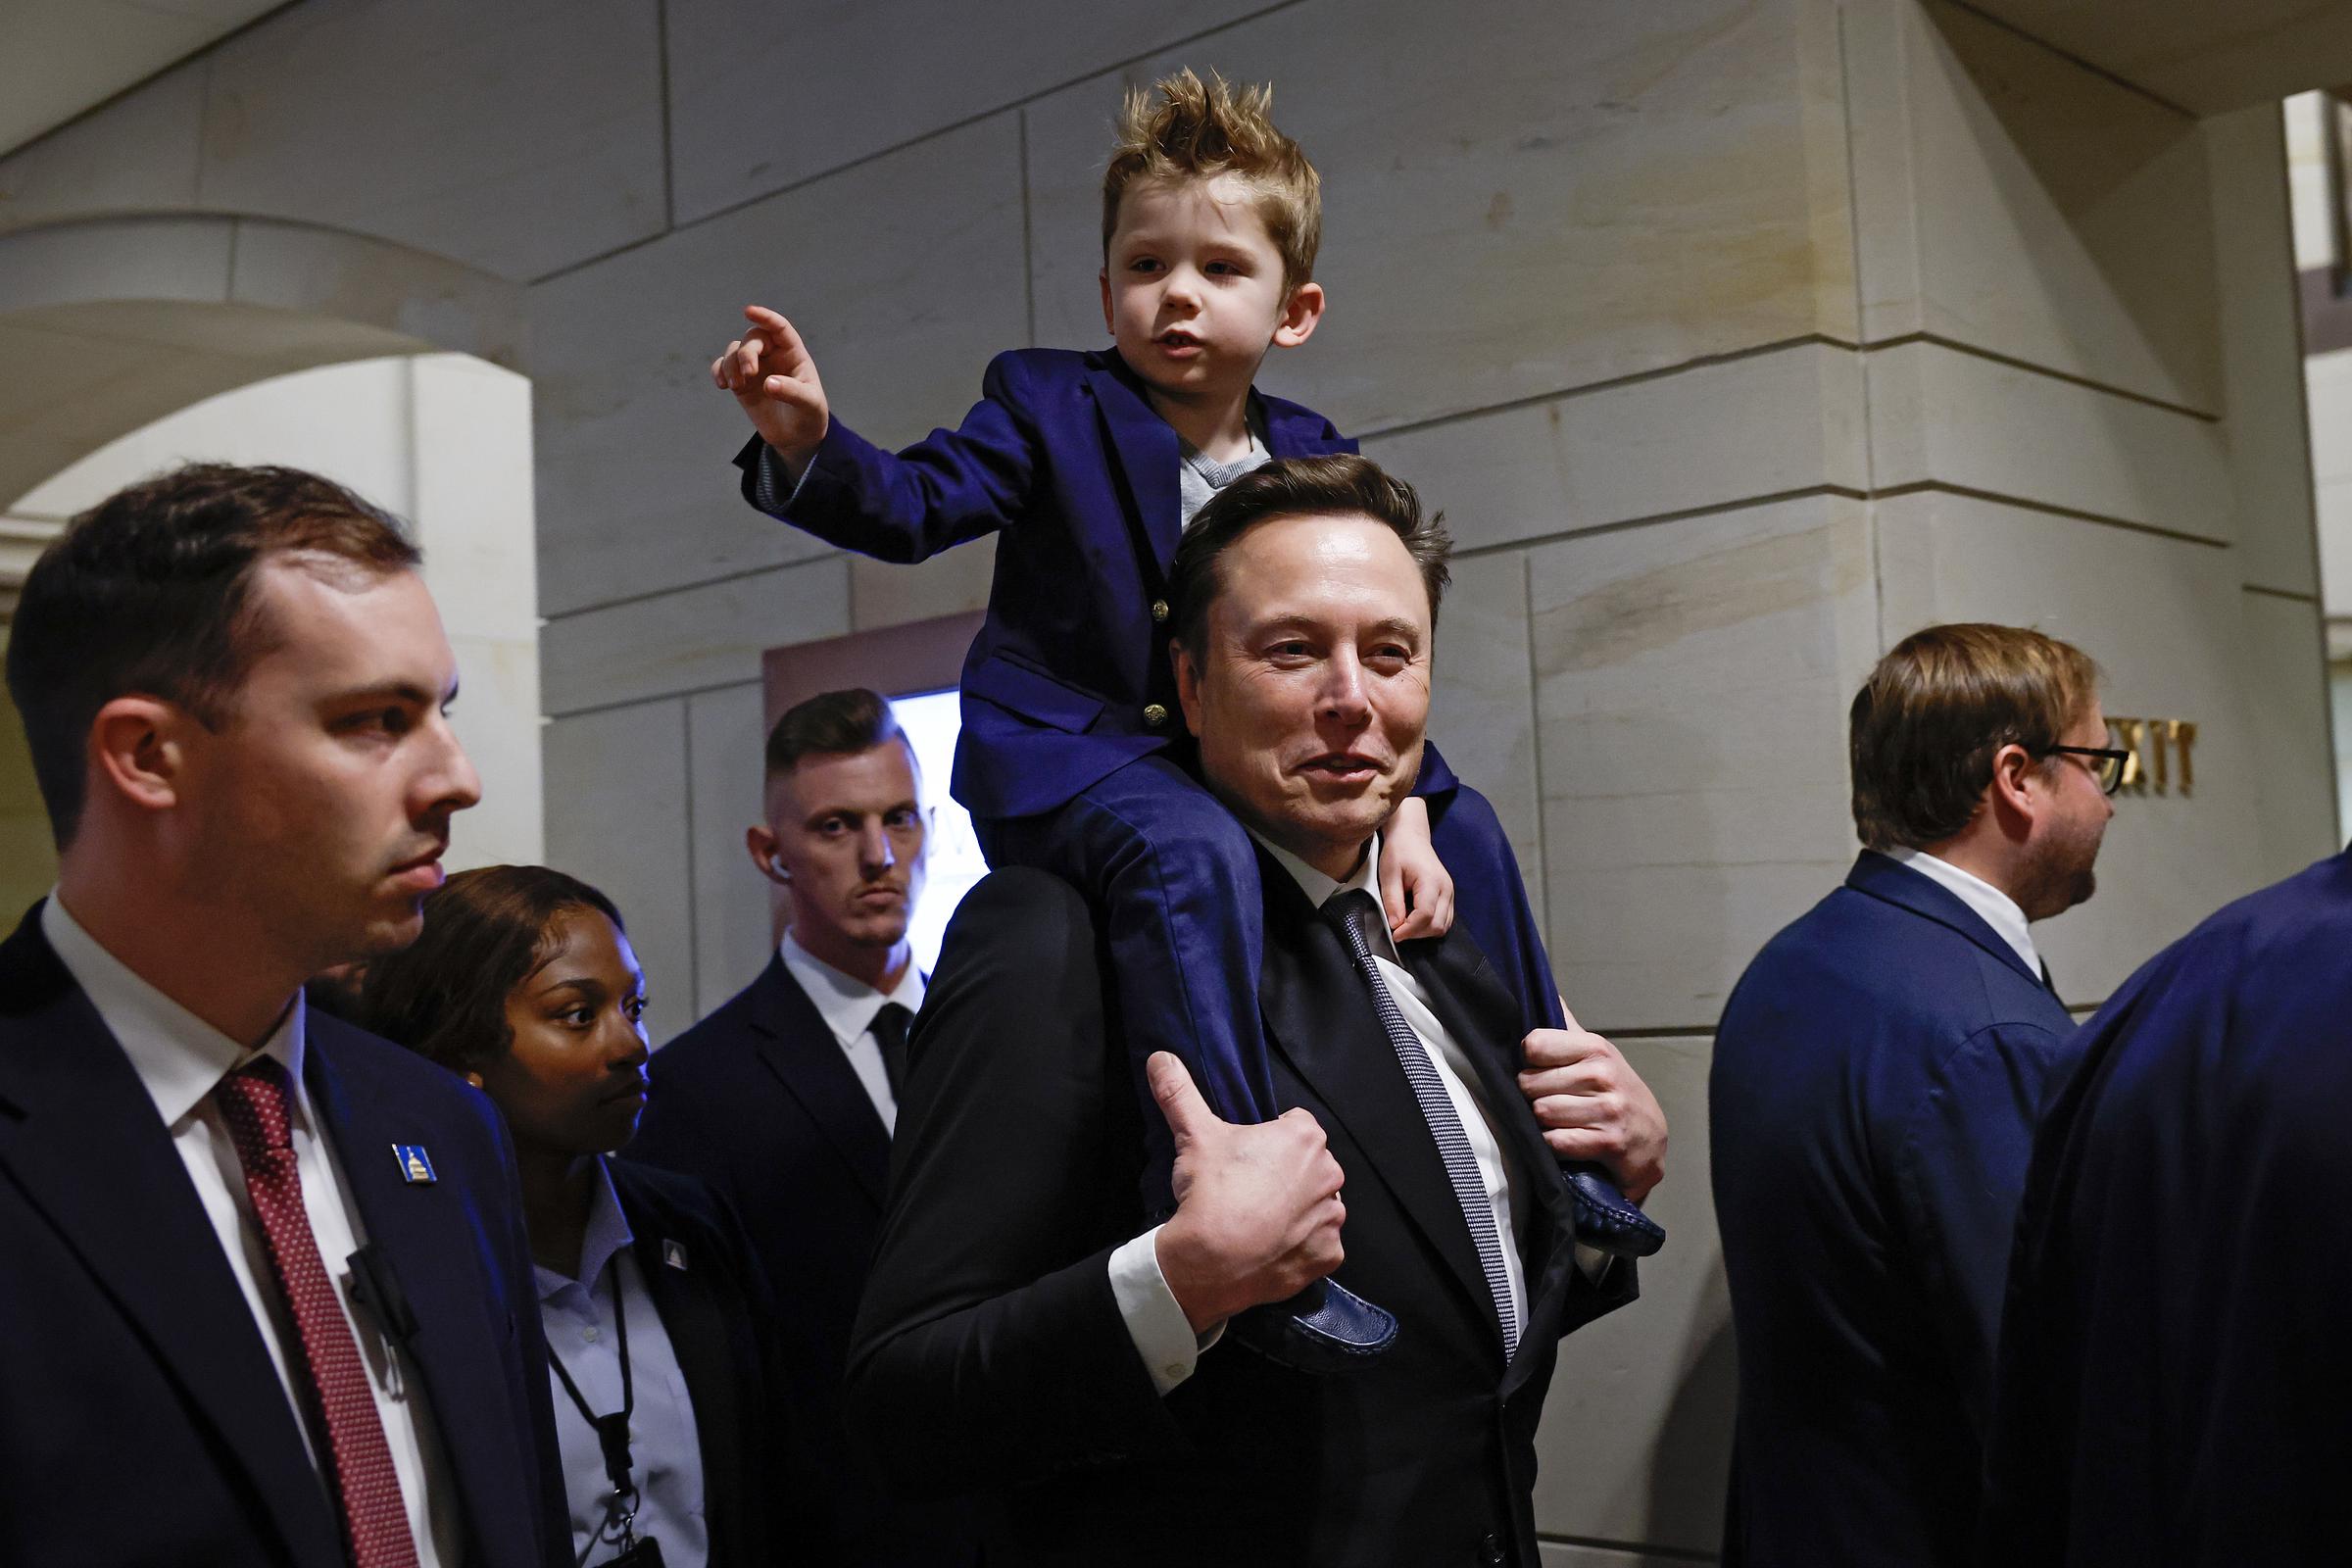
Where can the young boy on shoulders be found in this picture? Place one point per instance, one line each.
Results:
(1089, 466)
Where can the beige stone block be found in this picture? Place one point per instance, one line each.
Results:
(1482, 711)
(1940, 416)
(2262, 351)
(496, 721)
(733, 911)
(346, 278)
(905, 275)
(1636, 1435)
(470, 450)
(2282, 654)
(1693, 679)
(137, 154)
(690, 640)
(885, 594)
(2333, 505)
(2013, 201)
(2203, 56)
(764, 96)
(2328, 393)
(515, 138)
(2164, 619)
(1713, 435)
(184, 259)
(1589, 191)
(617, 818)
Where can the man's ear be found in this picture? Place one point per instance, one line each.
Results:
(2016, 790)
(139, 750)
(1188, 685)
(763, 848)
(1299, 313)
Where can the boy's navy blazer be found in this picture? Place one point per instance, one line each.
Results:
(1878, 1076)
(1065, 457)
(141, 1418)
(2176, 1365)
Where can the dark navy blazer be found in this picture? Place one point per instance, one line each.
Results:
(1065, 457)
(1877, 1079)
(141, 1419)
(2176, 1368)
(760, 1101)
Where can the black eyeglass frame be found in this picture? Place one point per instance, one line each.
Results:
(2116, 761)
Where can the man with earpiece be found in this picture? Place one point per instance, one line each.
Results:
(785, 1097)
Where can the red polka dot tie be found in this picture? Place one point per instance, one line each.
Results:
(254, 1102)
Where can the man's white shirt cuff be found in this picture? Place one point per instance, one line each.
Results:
(1163, 1336)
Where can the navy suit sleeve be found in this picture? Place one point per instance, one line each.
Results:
(1959, 1172)
(951, 487)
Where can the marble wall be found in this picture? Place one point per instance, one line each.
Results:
(1737, 338)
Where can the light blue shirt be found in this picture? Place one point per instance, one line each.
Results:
(665, 1449)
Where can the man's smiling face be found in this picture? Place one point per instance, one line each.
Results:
(1311, 691)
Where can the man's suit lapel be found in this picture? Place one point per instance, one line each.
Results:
(799, 1048)
(1145, 447)
(81, 1138)
(429, 1235)
(1320, 1018)
(680, 1284)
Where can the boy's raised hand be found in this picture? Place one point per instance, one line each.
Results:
(770, 373)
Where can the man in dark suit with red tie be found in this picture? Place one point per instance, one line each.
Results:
(785, 1097)
(1028, 1331)
(267, 1296)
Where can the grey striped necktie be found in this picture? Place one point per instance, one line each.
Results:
(1357, 915)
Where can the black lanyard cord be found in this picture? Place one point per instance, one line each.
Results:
(612, 1431)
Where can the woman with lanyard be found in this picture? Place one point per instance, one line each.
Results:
(657, 1324)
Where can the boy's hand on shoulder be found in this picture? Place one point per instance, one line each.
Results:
(1416, 891)
(773, 376)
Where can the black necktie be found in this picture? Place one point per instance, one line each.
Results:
(890, 1031)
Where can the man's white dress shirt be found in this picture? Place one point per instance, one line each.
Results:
(1994, 907)
(1162, 1335)
(847, 1005)
(180, 1060)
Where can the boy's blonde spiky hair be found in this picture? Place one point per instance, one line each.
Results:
(1185, 128)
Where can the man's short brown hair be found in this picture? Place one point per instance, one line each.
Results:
(1924, 728)
(1340, 485)
(838, 723)
(1187, 128)
(152, 591)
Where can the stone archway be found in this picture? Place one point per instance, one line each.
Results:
(107, 324)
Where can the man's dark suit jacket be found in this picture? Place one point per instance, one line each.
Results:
(990, 1351)
(141, 1419)
(714, 1307)
(2175, 1370)
(1877, 1079)
(758, 1101)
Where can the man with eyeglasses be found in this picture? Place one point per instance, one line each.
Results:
(1878, 1076)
